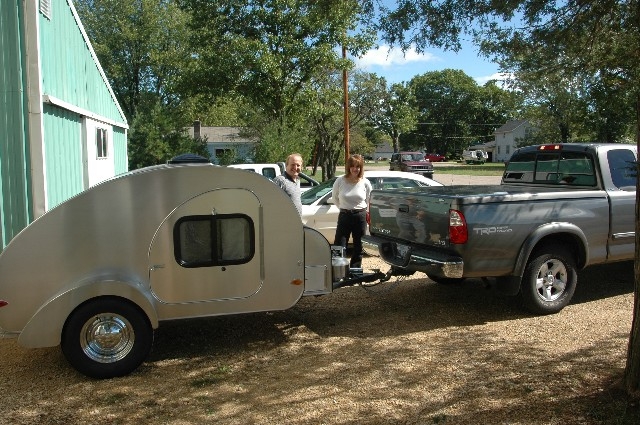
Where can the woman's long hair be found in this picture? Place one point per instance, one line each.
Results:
(354, 161)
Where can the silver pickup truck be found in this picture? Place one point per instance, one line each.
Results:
(559, 208)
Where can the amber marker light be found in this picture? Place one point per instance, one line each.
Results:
(296, 282)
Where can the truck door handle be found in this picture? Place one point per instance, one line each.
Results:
(404, 208)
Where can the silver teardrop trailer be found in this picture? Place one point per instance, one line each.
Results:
(98, 273)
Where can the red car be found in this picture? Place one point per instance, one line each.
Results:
(435, 157)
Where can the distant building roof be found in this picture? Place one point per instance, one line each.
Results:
(384, 147)
(218, 134)
(510, 126)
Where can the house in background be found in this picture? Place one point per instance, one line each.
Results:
(61, 127)
(221, 140)
(507, 138)
(383, 152)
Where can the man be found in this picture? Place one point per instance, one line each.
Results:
(290, 180)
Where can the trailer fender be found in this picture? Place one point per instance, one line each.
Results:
(44, 329)
(550, 231)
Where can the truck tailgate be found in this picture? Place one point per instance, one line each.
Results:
(410, 216)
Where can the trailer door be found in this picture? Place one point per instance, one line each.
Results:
(208, 249)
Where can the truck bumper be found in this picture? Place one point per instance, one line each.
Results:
(413, 259)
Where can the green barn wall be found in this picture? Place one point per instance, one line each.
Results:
(47, 117)
(70, 74)
(15, 211)
(63, 148)
(69, 70)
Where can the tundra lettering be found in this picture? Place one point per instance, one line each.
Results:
(491, 230)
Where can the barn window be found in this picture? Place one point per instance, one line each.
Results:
(101, 143)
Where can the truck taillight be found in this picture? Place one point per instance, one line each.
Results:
(3, 303)
(457, 227)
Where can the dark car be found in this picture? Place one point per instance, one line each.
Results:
(411, 162)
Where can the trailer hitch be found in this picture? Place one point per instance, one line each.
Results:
(358, 276)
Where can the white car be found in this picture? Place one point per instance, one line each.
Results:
(320, 213)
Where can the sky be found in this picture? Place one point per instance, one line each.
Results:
(396, 67)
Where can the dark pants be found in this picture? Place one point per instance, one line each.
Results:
(352, 224)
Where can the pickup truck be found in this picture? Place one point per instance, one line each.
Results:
(559, 208)
(411, 162)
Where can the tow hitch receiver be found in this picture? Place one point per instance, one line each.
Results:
(356, 276)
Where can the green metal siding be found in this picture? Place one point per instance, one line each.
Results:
(120, 150)
(71, 78)
(63, 150)
(15, 211)
(70, 74)
(69, 71)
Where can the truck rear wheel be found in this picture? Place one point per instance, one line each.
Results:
(549, 280)
(106, 337)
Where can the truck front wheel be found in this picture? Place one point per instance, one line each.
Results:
(107, 337)
(549, 281)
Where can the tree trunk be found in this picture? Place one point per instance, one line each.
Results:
(632, 371)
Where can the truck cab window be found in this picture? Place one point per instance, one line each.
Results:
(214, 240)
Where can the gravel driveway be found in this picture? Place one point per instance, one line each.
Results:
(404, 352)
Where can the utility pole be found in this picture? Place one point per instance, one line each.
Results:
(346, 105)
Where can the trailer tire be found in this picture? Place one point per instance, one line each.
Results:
(106, 337)
(549, 280)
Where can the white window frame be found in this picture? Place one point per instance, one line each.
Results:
(102, 143)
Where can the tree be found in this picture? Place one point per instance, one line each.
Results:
(587, 41)
(142, 46)
(397, 112)
(448, 103)
(268, 51)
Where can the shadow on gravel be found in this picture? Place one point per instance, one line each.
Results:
(415, 304)
(603, 281)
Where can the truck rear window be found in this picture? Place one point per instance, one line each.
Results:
(555, 168)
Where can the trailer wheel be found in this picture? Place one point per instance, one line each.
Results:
(106, 337)
(446, 280)
(549, 281)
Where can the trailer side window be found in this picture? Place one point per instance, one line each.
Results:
(214, 240)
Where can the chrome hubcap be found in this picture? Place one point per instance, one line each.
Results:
(107, 338)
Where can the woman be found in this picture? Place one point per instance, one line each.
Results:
(351, 193)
